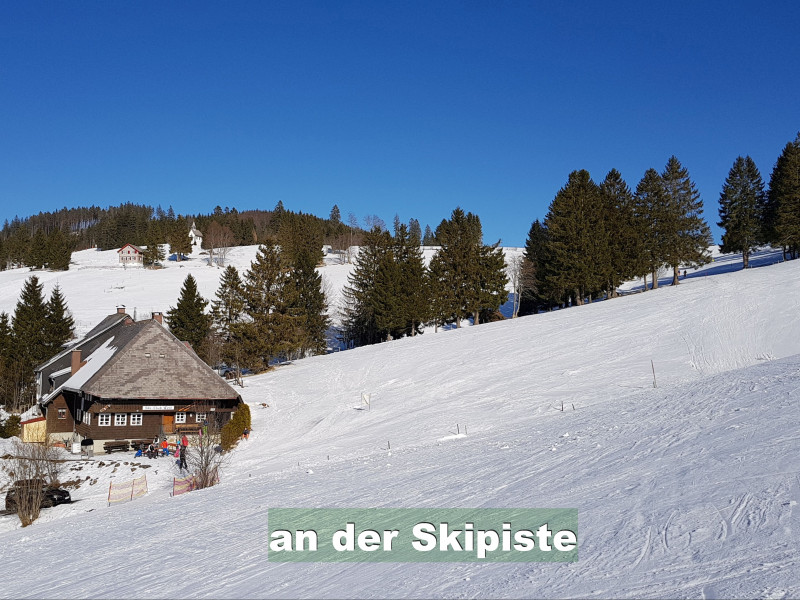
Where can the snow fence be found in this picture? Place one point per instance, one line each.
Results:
(128, 490)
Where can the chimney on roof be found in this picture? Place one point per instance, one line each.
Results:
(158, 317)
(121, 309)
(76, 362)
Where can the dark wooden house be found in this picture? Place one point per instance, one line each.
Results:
(130, 380)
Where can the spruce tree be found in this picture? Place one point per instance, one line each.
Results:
(741, 203)
(442, 302)
(30, 339)
(577, 252)
(428, 239)
(651, 219)
(387, 298)
(359, 326)
(413, 299)
(6, 349)
(60, 324)
(153, 254)
(782, 214)
(532, 288)
(624, 244)
(414, 232)
(38, 251)
(335, 215)
(269, 329)
(180, 243)
(188, 320)
(475, 272)
(59, 251)
(228, 308)
(307, 303)
(688, 235)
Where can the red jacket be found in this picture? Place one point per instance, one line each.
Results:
(184, 442)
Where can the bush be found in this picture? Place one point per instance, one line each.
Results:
(11, 427)
(232, 430)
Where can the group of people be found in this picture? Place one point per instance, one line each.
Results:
(161, 448)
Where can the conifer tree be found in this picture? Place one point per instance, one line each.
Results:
(687, 236)
(228, 308)
(651, 219)
(60, 324)
(428, 239)
(532, 288)
(38, 251)
(625, 250)
(180, 243)
(153, 254)
(6, 348)
(442, 301)
(741, 203)
(412, 293)
(269, 331)
(414, 232)
(782, 214)
(387, 298)
(475, 272)
(59, 251)
(335, 215)
(188, 320)
(577, 243)
(359, 326)
(307, 303)
(30, 345)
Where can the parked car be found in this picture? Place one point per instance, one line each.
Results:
(51, 495)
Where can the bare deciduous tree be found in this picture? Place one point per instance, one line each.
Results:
(514, 269)
(218, 239)
(204, 456)
(30, 468)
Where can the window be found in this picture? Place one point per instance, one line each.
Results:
(87, 418)
(200, 417)
(180, 417)
(120, 419)
(136, 418)
(62, 413)
(104, 420)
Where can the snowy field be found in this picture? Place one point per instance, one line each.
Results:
(96, 283)
(687, 489)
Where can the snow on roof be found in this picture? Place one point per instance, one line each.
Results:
(34, 412)
(94, 362)
(63, 371)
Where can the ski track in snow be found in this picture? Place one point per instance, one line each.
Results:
(689, 489)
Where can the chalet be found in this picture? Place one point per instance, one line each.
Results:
(130, 380)
(196, 236)
(130, 255)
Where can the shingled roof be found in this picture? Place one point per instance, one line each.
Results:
(154, 364)
(123, 359)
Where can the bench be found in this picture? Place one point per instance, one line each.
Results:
(110, 446)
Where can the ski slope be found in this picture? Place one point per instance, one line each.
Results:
(687, 489)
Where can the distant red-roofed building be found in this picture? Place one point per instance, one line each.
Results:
(130, 255)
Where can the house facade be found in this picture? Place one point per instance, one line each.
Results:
(196, 236)
(130, 255)
(130, 380)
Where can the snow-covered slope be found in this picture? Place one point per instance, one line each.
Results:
(686, 489)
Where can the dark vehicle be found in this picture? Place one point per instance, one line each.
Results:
(51, 496)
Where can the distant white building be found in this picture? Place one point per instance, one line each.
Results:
(197, 237)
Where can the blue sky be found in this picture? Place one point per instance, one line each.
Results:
(384, 107)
